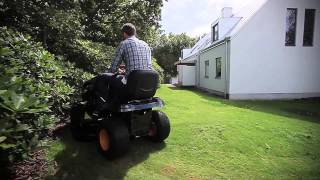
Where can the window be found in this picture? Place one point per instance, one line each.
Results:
(206, 69)
(215, 33)
(291, 26)
(218, 68)
(309, 18)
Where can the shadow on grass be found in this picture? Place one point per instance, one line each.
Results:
(82, 160)
(302, 109)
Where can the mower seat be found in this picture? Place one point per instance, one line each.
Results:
(141, 84)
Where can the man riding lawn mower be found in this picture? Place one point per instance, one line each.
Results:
(119, 104)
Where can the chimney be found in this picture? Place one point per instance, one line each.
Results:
(226, 12)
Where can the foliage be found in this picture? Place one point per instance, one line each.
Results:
(35, 89)
(37, 79)
(168, 51)
(55, 23)
(105, 18)
(159, 69)
(71, 28)
(91, 56)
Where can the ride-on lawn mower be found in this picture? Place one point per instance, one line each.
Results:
(119, 120)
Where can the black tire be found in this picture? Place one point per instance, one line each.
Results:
(117, 135)
(77, 116)
(161, 126)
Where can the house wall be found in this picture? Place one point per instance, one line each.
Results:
(189, 75)
(186, 75)
(210, 83)
(174, 80)
(262, 67)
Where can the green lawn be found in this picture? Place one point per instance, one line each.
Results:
(210, 138)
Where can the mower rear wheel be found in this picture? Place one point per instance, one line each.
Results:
(160, 128)
(113, 138)
(77, 116)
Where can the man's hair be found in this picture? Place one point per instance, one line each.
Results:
(129, 29)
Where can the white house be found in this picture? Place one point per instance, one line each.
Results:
(268, 50)
(186, 67)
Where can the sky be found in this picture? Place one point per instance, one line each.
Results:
(194, 17)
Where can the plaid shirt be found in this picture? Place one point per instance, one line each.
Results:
(135, 53)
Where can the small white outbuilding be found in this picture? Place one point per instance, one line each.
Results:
(268, 50)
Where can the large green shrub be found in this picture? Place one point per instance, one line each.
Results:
(35, 89)
(91, 56)
(159, 69)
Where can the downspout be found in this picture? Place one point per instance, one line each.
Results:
(198, 70)
(226, 91)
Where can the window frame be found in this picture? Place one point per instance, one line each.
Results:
(206, 68)
(295, 27)
(215, 34)
(217, 75)
(304, 28)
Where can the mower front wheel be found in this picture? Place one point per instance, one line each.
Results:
(113, 138)
(160, 128)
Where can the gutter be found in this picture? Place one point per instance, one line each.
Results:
(218, 43)
(188, 60)
(227, 62)
(185, 63)
(198, 70)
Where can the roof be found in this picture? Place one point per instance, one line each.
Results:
(201, 44)
(246, 12)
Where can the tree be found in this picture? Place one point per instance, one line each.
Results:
(61, 24)
(45, 20)
(168, 51)
(104, 18)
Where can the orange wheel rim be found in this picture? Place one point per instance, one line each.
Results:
(104, 140)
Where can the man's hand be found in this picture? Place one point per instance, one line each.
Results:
(122, 71)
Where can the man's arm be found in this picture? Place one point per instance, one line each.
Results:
(117, 58)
